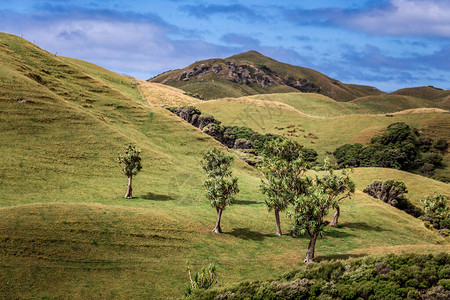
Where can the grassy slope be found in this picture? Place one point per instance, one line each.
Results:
(391, 103)
(65, 229)
(425, 92)
(266, 117)
(322, 106)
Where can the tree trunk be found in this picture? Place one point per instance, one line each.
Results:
(310, 252)
(334, 221)
(129, 194)
(217, 229)
(277, 220)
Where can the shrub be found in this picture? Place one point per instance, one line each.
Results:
(393, 193)
(436, 211)
(409, 276)
(441, 145)
(204, 279)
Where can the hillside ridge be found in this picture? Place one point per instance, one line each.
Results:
(251, 73)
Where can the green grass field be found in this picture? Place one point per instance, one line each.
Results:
(67, 232)
(321, 106)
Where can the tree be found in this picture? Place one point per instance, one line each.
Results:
(312, 206)
(220, 185)
(282, 167)
(339, 187)
(131, 165)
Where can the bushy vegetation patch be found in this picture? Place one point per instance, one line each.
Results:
(399, 147)
(387, 277)
(437, 213)
(393, 193)
(237, 137)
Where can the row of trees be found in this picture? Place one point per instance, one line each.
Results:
(285, 184)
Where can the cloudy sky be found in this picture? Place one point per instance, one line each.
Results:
(389, 44)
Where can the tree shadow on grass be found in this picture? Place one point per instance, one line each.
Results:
(333, 232)
(157, 197)
(247, 234)
(246, 202)
(362, 226)
(338, 256)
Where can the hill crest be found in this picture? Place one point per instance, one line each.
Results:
(251, 73)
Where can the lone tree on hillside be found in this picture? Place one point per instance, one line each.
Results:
(220, 185)
(282, 167)
(339, 187)
(311, 207)
(131, 165)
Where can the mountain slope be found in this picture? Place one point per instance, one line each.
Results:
(425, 92)
(252, 73)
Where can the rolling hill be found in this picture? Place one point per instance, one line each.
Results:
(252, 73)
(67, 232)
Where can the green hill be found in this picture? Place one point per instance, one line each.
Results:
(67, 232)
(393, 102)
(322, 106)
(425, 92)
(252, 73)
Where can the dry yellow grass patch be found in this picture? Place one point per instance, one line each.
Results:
(264, 103)
(159, 94)
(423, 110)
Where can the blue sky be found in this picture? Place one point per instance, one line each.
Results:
(389, 44)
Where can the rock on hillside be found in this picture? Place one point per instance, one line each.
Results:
(252, 73)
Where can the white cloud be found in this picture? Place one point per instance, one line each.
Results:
(406, 17)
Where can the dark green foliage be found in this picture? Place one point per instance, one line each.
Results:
(441, 145)
(312, 205)
(436, 211)
(220, 186)
(228, 135)
(387, 277)
(282, 168)
(399, 147)
(393, 193)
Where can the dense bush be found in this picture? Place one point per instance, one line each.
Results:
(239, 137)
(399, 147)
(387, 277)
(436, 211)
(393, 193)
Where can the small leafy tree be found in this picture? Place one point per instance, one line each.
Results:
(201, 280)
(436, 211)
(310, 208)
(131, 165)
(220, 185)
(282, 168)
(339, 187)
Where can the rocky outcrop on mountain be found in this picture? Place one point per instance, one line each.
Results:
(241, 74)
(252, 73)
(245, 74)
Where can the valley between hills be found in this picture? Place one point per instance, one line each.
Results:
(66, 231)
